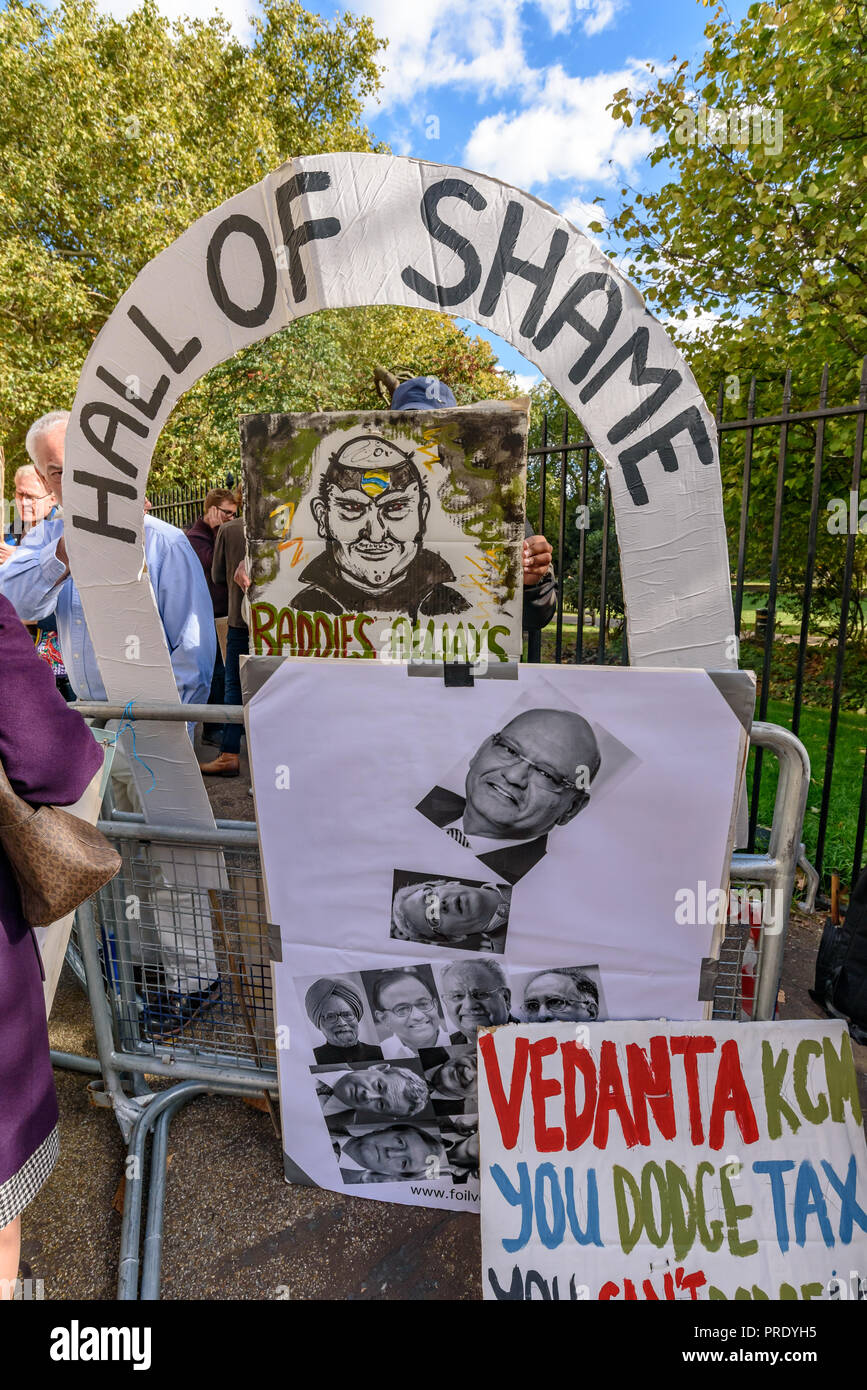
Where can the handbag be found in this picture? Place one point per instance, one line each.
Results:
(57, 860)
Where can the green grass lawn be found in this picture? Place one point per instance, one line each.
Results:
(787, 618)
(845, 784)
(851, 741)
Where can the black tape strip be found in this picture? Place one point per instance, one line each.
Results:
(457, 673)
(293, 1173)
(707, 978)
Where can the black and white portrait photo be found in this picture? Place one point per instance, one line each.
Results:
(336, 1009)
(393, 1153)
(525, 780)
(467, 914)
(476, 994)
(407, 1010)
(560, 994)
(460, 1139)
(372, 1092)
(452, 1078)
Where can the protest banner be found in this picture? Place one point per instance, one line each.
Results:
(387, 535)
(336, 230)
(436, 859)
(667, 1161)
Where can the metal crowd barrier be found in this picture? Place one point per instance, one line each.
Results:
(229, 1049)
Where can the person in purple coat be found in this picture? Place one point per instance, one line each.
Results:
(49, 756)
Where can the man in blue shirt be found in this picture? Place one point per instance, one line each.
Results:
(36, 580)
(34, 503)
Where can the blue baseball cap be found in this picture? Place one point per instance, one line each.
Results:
(423, 393)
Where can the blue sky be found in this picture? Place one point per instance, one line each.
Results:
(516, 88)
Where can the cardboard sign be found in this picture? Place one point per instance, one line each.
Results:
(671, 1161)
(438, 859)
(335, 230)
(387, 535)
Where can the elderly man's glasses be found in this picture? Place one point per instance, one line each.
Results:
(402, 1011)
(344, 1016)
(510, 754)
(554, 1003)
(432, 908)
(478, 996)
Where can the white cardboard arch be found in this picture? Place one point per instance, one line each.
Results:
(342, 230)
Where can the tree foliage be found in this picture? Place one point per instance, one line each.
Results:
(115, 135)
(761, 228)
(766, 230)
(322, 362)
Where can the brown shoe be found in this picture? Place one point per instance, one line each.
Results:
(226, 765)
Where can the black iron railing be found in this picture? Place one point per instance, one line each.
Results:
(783, 473)
(179, 506)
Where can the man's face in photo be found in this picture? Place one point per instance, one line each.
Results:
(382, 1090)
(474, 997)
(373, 517)
(396, 1151)
(408, 1008)
(555, 998)
(522, 780)
(465, 1153)
(447, 910)
(458, 1078)
(338, 1022)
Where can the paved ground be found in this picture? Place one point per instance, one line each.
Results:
(234, 1229)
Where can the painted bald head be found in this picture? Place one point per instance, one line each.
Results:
(531, 776)
(371, 509)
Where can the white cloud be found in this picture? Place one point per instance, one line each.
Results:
(601, 16)
(593, 15)
(696, 321)
(438, 43)
(564, 132)
(472, 44)
(525, 384)
(581, 213)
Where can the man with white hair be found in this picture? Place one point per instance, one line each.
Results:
(33, 502)
(37, 581)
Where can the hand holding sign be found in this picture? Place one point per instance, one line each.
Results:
(537, 559)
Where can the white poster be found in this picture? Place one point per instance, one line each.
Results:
(661, 1161)
(514, 850)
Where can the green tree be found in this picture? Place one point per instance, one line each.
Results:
(762, 228)
(322, 362)
(115, 135)
(764, 224)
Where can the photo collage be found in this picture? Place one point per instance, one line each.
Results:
(394, 1057)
